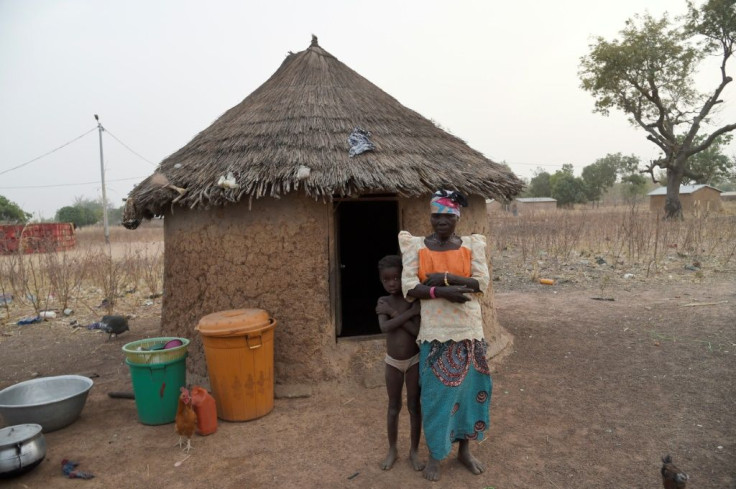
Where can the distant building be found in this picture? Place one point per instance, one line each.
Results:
(531, 205)
(728, 196)
(525, 205)
(36, 237)
(695, 199)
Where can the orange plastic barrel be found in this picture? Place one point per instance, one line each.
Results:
(238, 348)
(206, 409)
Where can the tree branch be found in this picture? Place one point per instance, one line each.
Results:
(708, 105)
(650, 169)
(661, 145)
(657, 101)
(664, 135)
(709, 140)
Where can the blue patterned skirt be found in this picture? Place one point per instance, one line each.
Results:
(455, 393)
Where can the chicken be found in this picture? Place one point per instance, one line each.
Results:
(114, 325)
(186, 419)
(672, 477)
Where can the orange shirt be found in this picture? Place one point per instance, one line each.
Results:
(456, 262)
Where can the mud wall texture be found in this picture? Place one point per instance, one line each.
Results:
(271, 256)
(274, 254)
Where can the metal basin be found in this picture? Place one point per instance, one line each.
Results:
(52, 402)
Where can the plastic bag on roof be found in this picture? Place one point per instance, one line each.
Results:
(359, 141)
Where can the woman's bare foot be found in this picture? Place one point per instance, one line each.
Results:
(390, 459)
(432, 470)
(467, 458)
(414, 459)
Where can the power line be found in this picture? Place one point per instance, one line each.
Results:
(48, 153)
(128, 148)
(97, 182)
(67, 144)
(536, 164)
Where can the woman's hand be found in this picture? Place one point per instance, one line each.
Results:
(454, 293)
(435, 280)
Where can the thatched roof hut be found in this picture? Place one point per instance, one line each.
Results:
(266, 207)
(291, 134)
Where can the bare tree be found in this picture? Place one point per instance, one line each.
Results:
(649, 75)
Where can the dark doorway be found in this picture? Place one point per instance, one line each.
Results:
(367, 230)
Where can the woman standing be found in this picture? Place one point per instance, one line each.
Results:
(448, 273)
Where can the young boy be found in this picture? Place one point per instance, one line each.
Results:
(399, 319)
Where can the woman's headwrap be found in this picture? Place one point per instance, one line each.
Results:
(447, 202)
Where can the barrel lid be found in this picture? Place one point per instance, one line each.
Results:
(233, 322)
(19, 433)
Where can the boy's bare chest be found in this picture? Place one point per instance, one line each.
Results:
(399, 303)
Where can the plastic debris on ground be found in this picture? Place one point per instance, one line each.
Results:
(69, 468)
(30, 320)
(6, 299)
(359, 141)
(96, 325)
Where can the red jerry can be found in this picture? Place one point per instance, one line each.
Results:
(206, 410)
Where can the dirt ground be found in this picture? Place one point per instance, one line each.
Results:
(591, 395)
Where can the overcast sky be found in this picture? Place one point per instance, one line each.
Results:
(502, 75)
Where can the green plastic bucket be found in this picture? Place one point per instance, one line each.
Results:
(156, 388)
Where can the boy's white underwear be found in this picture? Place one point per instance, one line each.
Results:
(402, 365)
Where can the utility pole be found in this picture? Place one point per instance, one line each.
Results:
(104, 194)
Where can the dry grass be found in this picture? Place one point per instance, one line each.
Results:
(90, 274)
(619, 235)
(149, 232)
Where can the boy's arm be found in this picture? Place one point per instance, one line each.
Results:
(412, 326)
(389, 319)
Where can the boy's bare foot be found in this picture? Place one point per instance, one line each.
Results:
(390, 459)
(467, 458)
(414, 459)
(432, 470)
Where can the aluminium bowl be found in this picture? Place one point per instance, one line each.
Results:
(52, 402)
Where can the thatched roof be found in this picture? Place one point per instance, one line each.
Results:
(291, 134)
